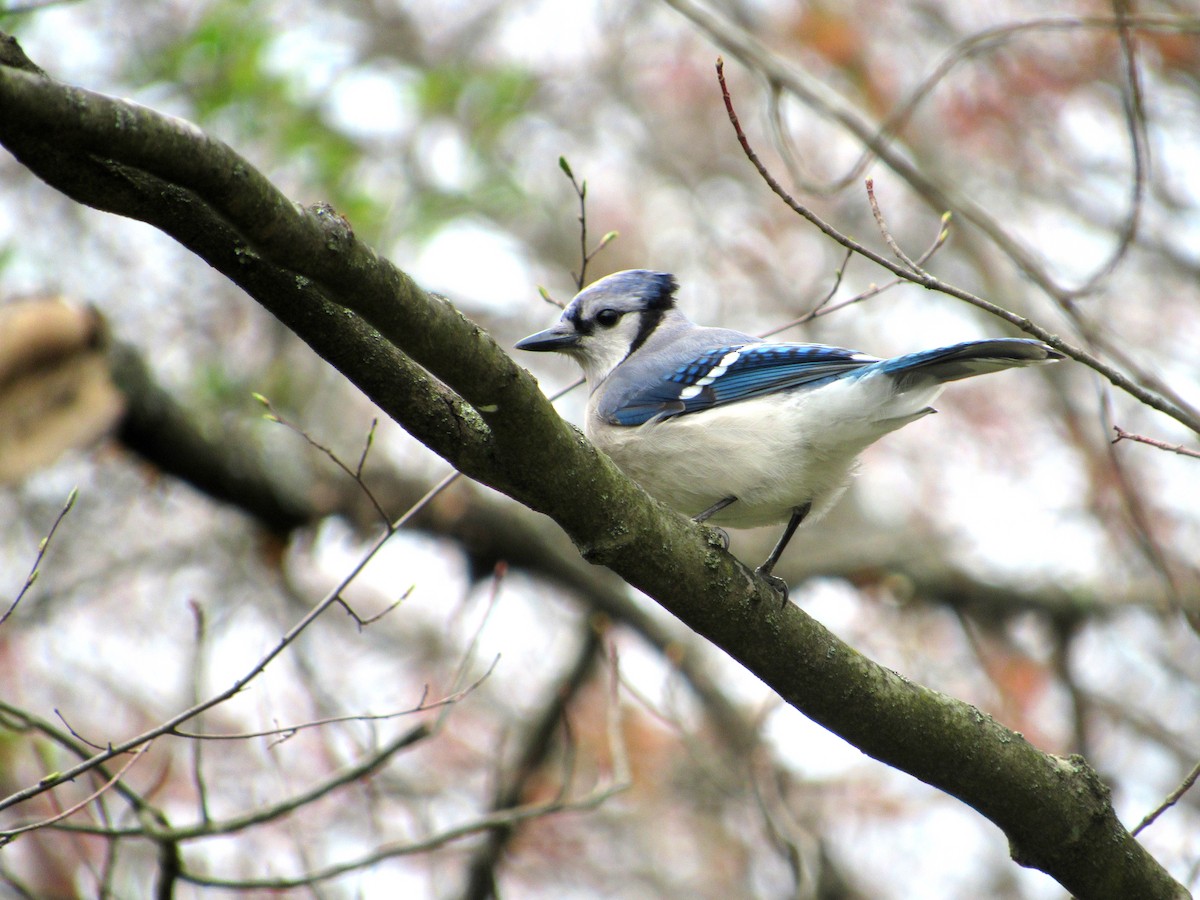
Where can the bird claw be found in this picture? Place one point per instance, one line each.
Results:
(721, 535)
(776, 582)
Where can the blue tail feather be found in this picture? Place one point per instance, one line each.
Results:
(965, 360)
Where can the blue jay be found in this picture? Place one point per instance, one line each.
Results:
(726, 427)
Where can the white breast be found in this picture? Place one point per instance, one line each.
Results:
(773, 453)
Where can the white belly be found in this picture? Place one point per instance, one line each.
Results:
(773, 454)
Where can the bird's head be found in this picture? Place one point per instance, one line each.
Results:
(608, 320)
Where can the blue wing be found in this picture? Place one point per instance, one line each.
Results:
(731, 373)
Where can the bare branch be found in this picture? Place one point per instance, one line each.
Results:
(1116, 377)
(1174, 797)
(887, 233)
(1123, 435)
(824, 307)
(43, 546)
(288, 730)
(735, 40)
(1142, 522)
(1135, 124)
(170, 726)
(508, 818)
(355, 473)
(585, 255)
(198, 672)
(9, 835)
(362, 622)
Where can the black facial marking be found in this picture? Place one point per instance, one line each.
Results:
(581, 325)
(648, 320)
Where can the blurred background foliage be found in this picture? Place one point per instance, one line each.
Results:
(1003, 552)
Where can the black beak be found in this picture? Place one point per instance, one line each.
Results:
(560, 336)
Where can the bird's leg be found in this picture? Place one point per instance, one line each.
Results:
(712, 511)
(765, 569)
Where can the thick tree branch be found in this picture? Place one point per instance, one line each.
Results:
(450, 385)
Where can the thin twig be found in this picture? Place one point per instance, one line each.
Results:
(1135, 124)
(1136, 379)
(581, 192)
(887, 232)
(154, 827)
(362, 460)
(289, 730)
(877, 139)
(11, 834)
(838, 274)
(498, 575)
(169, 726)
(823, 307)
(549, 298)
(17, 719)
(1116, 377)
(508, 817)
(618, 749)
(619, 781)
(362, 622)
(585, 255)
(43, 546)
(1141, 520)
(355, 473)
(75, 734)
(1123, 435)
(788, 847)
(198, 671)
(1172, 798)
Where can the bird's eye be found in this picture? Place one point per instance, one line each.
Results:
(608, 317)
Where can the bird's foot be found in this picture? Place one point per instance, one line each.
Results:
(720, 534)
(776, 582)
